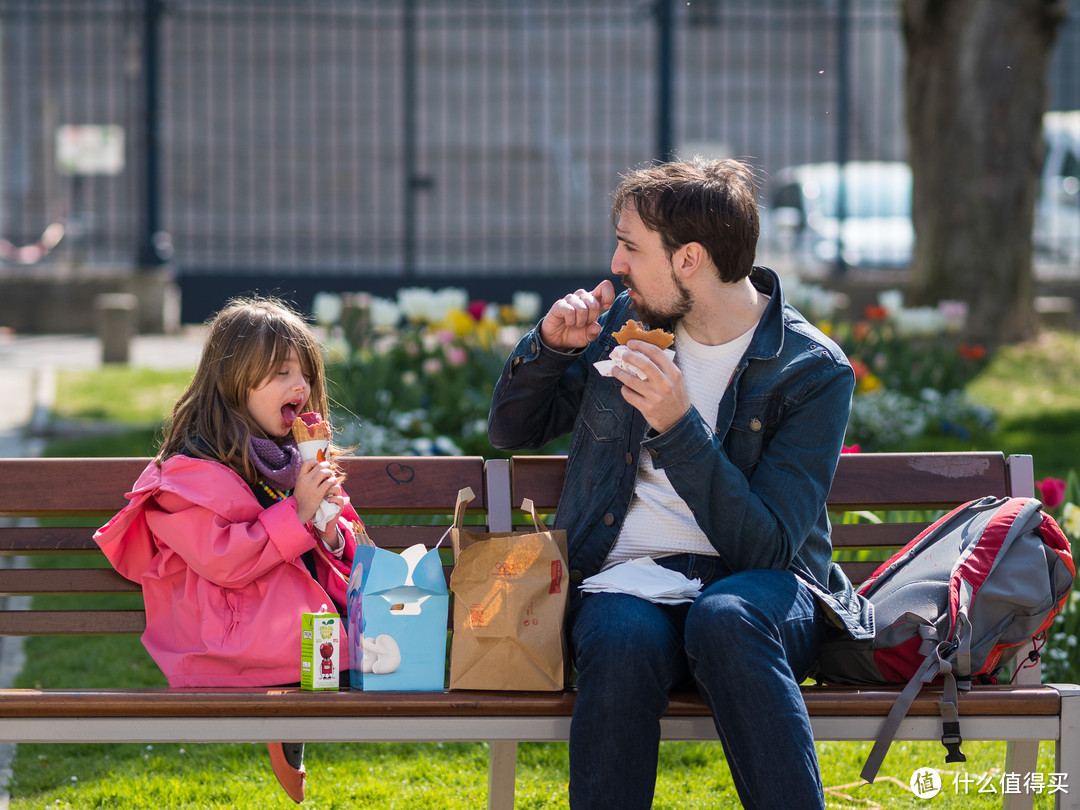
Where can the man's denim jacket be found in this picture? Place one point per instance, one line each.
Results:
(757, 484)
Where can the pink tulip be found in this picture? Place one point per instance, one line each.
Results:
(1052, 492)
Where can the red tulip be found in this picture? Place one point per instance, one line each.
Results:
(1052, 492)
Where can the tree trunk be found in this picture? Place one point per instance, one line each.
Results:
(976, 89)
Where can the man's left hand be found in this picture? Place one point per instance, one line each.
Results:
(661, 397)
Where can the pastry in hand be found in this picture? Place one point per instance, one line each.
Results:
(632, 330)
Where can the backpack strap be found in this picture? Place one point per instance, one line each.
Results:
(938, 660)
(950, 720)
(948, 706)
(930, 668)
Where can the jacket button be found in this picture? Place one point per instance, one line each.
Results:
(629, 459)
(653, 453)
(755, 424)
(609, 519)
(576, 578)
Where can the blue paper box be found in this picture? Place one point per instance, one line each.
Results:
(397, 609)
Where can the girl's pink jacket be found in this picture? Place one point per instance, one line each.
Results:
(222, 578)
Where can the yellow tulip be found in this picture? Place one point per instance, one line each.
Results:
(1070, 520)
(869, 382)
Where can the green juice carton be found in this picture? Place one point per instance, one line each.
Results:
(319, 650)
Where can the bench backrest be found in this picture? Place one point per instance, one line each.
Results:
(903, 486)
(51, 507)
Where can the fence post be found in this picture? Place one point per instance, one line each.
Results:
(409, 137)
(665, 80)
(148, 253)
(843, 100)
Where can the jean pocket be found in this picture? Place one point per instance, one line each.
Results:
(604, 423)
(749, 429)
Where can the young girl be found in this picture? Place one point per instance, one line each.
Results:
(218, 530)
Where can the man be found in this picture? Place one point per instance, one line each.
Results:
(715, 464)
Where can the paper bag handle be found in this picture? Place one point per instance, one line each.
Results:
(528, 506)
(464, 496)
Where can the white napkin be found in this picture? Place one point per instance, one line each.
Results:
(327, 512)
(615, 359)
(325, 515)
(644, 578)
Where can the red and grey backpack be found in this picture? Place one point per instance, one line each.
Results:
(957, 603)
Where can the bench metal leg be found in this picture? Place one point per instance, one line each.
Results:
(502, 772)
(1022, 757)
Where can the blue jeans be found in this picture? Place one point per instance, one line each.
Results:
(747, 642)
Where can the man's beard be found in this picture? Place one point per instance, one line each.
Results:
(658, 317)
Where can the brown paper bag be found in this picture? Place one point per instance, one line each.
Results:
(509, 606)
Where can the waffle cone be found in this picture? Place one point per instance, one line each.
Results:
(303, 432)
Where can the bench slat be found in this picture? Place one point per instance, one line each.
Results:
(539, 478)
(421, 485)
(863, 480)
(18, 540)
(37, 485)
(916, 480)
(70, 622)
(33, 540)
(271, 702)
(875, 535)
(858, 572)
(859, 536)
(32, 581)
(424, 485)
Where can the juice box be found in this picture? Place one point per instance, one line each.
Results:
(319, 650)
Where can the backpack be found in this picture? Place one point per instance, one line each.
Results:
(958, 602)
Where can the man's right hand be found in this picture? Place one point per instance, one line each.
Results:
(571, 323)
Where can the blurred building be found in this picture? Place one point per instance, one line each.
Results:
(370, 144)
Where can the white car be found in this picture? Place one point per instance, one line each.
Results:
(815, 214)
(1057, 208)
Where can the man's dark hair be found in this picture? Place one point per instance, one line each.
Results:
(711, 202)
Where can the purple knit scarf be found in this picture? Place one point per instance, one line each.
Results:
(278, 464)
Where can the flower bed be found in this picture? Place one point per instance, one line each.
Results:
(416, 374)
(911, 367)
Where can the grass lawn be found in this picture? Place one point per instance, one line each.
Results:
(1032, 388)
(114, 410)
(119, 394)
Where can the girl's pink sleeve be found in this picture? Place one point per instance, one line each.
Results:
(332, 572)
(353, 531)
(229, 553)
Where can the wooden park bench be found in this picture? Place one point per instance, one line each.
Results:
(418, 494)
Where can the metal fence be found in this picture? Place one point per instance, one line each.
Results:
(413, 140)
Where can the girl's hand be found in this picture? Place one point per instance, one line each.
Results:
(314, 484)
(331, 535)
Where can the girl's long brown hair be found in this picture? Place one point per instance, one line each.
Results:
(245, 343)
